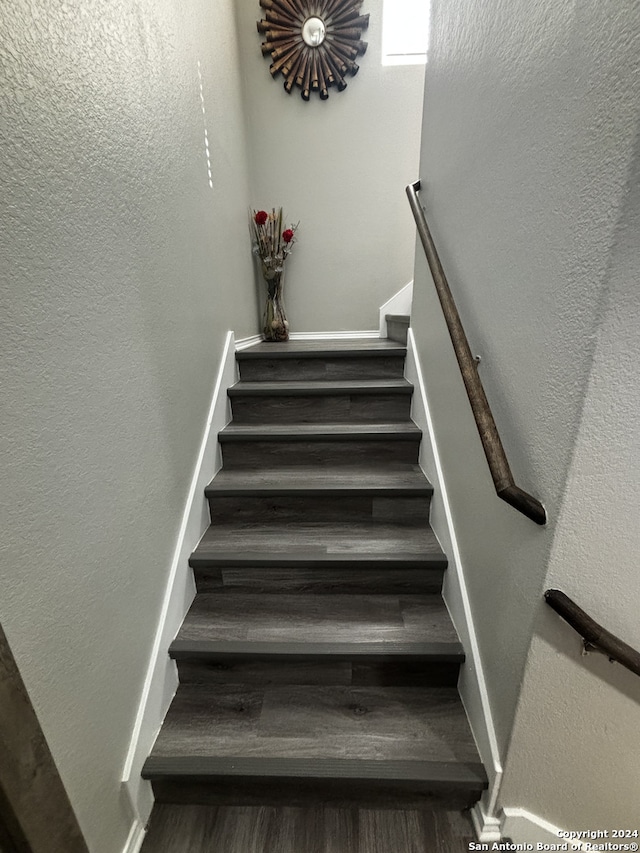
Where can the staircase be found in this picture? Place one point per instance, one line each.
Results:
(318, 663)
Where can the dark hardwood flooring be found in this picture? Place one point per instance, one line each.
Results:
(229, 829)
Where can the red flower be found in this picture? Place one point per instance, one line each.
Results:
(287, 235)
(261, 217)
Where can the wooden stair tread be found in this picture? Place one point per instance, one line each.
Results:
(322, 431)
(319, 387)
(404, 480)
(337, 347)
(349, 541)
(325, 723)
(379, 622)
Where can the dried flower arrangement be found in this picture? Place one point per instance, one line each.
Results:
(272, 244)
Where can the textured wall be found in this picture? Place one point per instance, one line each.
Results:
(121, 269)
(530, 120)
(340, 167)
(578, 718)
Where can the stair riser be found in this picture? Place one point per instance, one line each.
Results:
(325, 409)
(266, 454)
(350, 367)
(320, 581)
(278, 792)
(319, 509)
(397, 331)
(393, 673)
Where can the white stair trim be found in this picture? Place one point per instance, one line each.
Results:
(136, 837)
(161, 680)
(245, 343)
(334, 336)
(488, 829)
(472, 685)
(524, 827)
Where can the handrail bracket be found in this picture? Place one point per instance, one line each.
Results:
(595, 638)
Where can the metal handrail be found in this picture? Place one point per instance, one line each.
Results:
(594, 636)
(489, 436)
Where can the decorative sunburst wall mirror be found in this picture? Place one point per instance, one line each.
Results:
(313, 45)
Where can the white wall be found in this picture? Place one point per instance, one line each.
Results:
(529, 126)
(340, 168)
(121, 272)
(578, 718)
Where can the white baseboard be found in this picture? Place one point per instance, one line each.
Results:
(472, 684)
(243, 343)
(161, 679)
(523, 827)
(135, 839)
(332, 336)
(400, 303)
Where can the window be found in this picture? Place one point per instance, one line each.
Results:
(405, 32)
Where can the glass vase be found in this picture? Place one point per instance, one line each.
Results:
(275, 326)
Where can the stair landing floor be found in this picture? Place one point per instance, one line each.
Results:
(229, 829)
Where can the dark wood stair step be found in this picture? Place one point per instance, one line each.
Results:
(316, 639)
(320, 388)
(330, 481)
(392, 664)
(351, 557)
(307, 544)
(291, 445)
(302, 575)
(321, 508)
(381, 620)
(238, 743)
(320, 432)
(322, 494)
(305, 783)
(293, 721)
(227, 664)
(433, 664)
(337, 359)
(364, 401)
